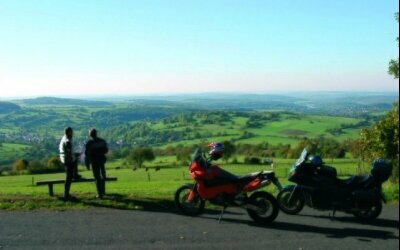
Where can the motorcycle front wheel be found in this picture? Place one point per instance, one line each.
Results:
(292, 206)
(370, 213)
(190, 208)
(262, 207)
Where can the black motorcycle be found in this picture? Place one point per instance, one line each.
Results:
(317, 186)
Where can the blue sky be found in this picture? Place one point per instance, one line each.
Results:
(89, 47)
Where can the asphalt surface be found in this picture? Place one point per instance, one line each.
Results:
(162, 228)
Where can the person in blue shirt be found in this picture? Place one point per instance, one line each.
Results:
(95, 157)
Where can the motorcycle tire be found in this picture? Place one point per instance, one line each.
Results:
(194, 208)
(296, 204)
(371, 213)
(266, 205)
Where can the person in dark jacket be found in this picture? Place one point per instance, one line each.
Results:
(95, 156)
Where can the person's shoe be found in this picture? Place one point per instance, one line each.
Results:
(100, 196)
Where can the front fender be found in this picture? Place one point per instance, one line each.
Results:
(189, 185)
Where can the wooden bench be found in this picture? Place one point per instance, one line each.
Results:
(61, 181)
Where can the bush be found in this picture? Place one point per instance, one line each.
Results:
(252, 160)
(54, 163)
(19, 166)
(139, 155)
(35, 167)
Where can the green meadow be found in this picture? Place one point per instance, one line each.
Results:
(148, 183)
(285, 130)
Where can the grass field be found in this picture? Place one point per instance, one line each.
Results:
(285, 130)
(20, 192)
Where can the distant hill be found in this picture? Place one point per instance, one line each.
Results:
(231, 102)
(7, 107)
(64, 101)
(332, 103)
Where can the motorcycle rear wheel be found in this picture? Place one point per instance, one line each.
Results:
(190, 208)
(293, 207)
(266, 205)
(370, 213)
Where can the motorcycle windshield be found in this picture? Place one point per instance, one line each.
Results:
(302, 158)
(197, 155)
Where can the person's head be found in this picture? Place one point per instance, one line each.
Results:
(69, 132)
(93, 132)
(216, 150)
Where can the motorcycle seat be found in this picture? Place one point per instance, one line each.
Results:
(246, 177)
(243, 179)
(355, 181)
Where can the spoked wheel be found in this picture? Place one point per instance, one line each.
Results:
(262, 207)
(370, 213)
(290, 203)
(191, 208)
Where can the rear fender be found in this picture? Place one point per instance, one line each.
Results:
(256, 184)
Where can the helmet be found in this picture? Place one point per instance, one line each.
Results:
(315, 160)
(216, 150)
(381, 170)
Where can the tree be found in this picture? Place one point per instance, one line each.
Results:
(322, 146)
(141, 154)
(382, 140)
(229, 150)
(19, 165)
(394, 64)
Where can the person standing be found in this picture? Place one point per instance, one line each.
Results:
(67, 158)
(95, 156)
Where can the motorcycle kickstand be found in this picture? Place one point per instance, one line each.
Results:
(222, 214)
(332, 218)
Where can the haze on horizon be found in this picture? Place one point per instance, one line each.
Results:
(104, 47)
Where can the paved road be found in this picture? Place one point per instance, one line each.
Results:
(161, 228)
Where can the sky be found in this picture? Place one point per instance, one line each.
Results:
(128, 47)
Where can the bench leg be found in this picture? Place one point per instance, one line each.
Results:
(51, 193)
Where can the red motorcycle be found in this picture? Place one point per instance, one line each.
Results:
(225, 189)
